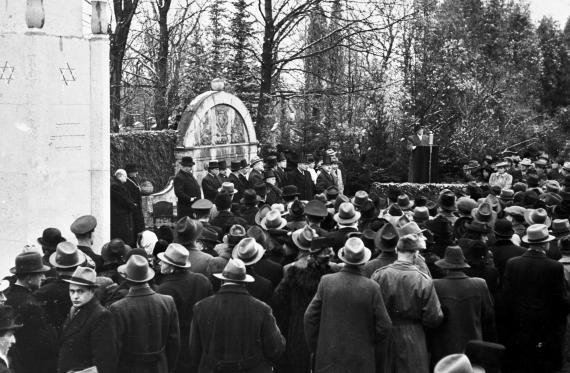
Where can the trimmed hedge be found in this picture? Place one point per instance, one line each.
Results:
(151, 151)
(431, 191)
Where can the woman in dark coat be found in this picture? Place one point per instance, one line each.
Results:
(292, 298)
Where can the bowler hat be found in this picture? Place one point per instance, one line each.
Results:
(346, 214)
(456, 363)
(175, 255)
(302, 237)
(114, 251)
(386, 238)
(537, 233)
(187, 162)
(354, 252)
(454, 259)
(136, 269)
(202, 205)
(234, 271)
(66, 255)
(188, 230)
(235, 166)
(250, 197)
(213, 164)
(273, 220)
(8, 318)
(236, 233)
(410, 243)
(261, 189)
(316, 208)
(404, 202)
(560, 227)
(248, 251)
(503, 228)
(83, 224)
(290, 191)
(83, 276)
(537, 216)
(29, 262)
(228, 187)
(50, 237)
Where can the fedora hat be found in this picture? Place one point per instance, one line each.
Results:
(331, 193)
(302, 237)
(515, 211)
(453, 259)
(410, 243)
(386, 238)
(472, 164)
(456, 363)
(255, 160)
(346, 214)
(359, 198)
(187, 162)
(136, 269)
(502, 164)
(401, 221)
(29, 262)
(114, 251)
(290, 191)
(234, 271)
(83, 276)
(273, 220)
(263, 210)
(354, 252)
(50, 237)
(421, 214)
(236, 233)
(537, 216)
(507, 194)
(552, 186)
(248, 251)
(532, 180)
(188, 230)
(83, 224)
(223, 200)
(404, 202)
(175, 255)
(228, 187)
(540, 162)
(537, 233)
(560, 227)
(250, 197)
(66, 255)
(526, 162)
(503, 228)
(8, 318)
(209, 235)
(484, 213)
(446, 200)
(235, 166)
(316, 208)
(410, 228)
(258, 235)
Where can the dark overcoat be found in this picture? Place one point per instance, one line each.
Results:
(148, 336)
(187, 190)
(533, 291)
(270, 270)
(303, 182)
(88, 340)
(503, 250)
(186, 288)
(231, 328)
(210, 185)
(255, 177)
(35, 350)
(56, 301)
(122, 208)
(238, 185)
(4, 367)
(467, 314)
(261, 288)
(134, 190)
(199, 260)
(324, 180)
(273, 194)
(248, 213)
(345, 322)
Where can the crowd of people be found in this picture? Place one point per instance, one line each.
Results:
(271, 268)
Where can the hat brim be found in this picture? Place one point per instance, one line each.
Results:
(80, 255)
(528, 220)
(547, 239)
(76, 282)
(42, 242)
(164, 259)
(559, 233)
(121, 270)
(11, 327)
(352, 220)
(295, 239)
(39, 270)
(221, 276)
(365, 259)
(234, 191)
(443, 263)
(184, 164)
(263, 223)
(250, 261)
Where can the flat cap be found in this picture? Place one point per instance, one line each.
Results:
(83, 224)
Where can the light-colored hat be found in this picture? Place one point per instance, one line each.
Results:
(66, 255)
(83, 276)
(456, 363)
(346, 214)
(228, 187)
(526, 162)
(354, 252)
(410, 242)
(537, 233)
(175, 255)
(537, 216)
(234, 271)
(248, 251)
(302, 237)
(147, 241)
(273, 220)
(136, 269)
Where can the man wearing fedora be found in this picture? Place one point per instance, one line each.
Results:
(250, 252)
(347, 318)
(35, 350)
(186, 288)
(385, 240)
(467, 307)
(187, 232)
(301, 178)
(231, 330)
(504, 249)
(88, 336)
(83, 228)
(347, 222)
(224, 251)
(55, 294)
(412, 304)
(8, 326)
(146, 323)
(211, 182)
(186, 188)
(48, 241)
(533, 292)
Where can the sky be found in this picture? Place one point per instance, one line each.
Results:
(557, 9)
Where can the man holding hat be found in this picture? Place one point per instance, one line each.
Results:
(534, 295)
(467, 304)
(35, 350)
(88, 336)
(146, 323)
(211, 182)
(83, 228)
(347, 318)
(187, 289)
(231, 330)
(412, 304)
(186, 188)
(301, 178)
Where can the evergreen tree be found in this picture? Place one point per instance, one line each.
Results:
(219, 41)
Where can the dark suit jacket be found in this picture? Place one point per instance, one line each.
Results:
(210, 185)
(35, 350)
(255, 177)
(88, 340)
(3, 367)
(280, 176)
(232, 326)
(324, 180)
(270, 270)
(303, 182)
(239, 185)
(55, 297)
(261, 288)
(187, 191)
(148, 336)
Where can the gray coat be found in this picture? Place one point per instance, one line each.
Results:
(345, 322)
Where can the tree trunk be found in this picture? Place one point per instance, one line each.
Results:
(267, 64)
(161, 109)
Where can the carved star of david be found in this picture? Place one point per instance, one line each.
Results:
(6, 72)
(67, 74)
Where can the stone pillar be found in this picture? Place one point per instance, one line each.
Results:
(54, 144)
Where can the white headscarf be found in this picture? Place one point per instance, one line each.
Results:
(147, 241)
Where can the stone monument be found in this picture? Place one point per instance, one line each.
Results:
(54, 100)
